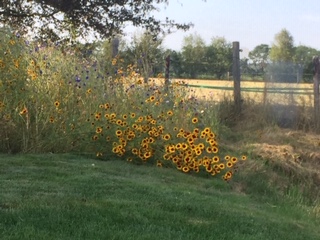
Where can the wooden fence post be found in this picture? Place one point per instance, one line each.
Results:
(316, 63)
(236, 76)
(167, 73)
(115, 47)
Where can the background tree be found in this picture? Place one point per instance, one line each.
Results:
(52, 18)
(303, 59)
(282, 49)
(282, 68)
(176, 64)
(219, 57)
(260, 57)
(146, 53)
(193, 54)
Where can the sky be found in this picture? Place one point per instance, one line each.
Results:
(250, 22)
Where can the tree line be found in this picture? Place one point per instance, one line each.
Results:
(67, 21)
(282, 61)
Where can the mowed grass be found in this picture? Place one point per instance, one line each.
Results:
(74, 197)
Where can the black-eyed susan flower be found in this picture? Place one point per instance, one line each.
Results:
(172, 149)
(147, 154)
(184, 146)
(106, 106)
(166, 137)
(115, 150)
(118, 133)
(175, 159)
(209, 169)
(95, 137)
(119, 122)
(221, 166)
(170, 113)
(207, 130)
(178, 146)
(196, 130)
(209, 149)
(227, 158)
(132, 115)
(243, 158)
(152, 98)
(212, 135)
(89, 91)
(140, 119)
(229, 164)
(135, 151)
(212, 142)
(194, 120)
(215, 149)
(185, 169)
(201, 146)
(190, 140)
(99, 130)
(187, 159)
(215, 159)
(234, 160)
(198, 151)
(56, 103)
(97, 116)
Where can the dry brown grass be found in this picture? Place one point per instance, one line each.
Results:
(288, 98)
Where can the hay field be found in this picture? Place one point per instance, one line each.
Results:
(284, 93)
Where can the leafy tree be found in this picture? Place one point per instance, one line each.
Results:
(303, 59)
(219, 57)
(146, 53)
(282, 49)
(53, 18)
(193, 53)
(176, 64)
(260, 57)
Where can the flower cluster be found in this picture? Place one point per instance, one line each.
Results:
(148, 135)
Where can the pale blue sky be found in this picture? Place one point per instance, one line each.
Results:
(251, 22)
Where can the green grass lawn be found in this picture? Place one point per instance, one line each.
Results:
(73, 197)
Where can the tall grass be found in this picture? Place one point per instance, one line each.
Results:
(54, 100)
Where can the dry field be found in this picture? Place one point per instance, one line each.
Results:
(284, 93)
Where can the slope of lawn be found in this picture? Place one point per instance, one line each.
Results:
(74, 197)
